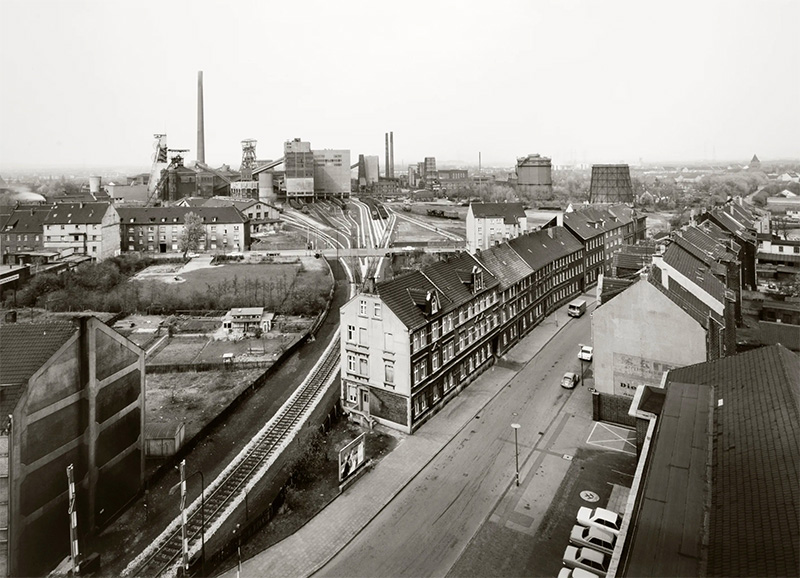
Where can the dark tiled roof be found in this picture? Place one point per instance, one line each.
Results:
(721, 235)
(505, 264)
(539, 249)
(755, 522)
(24, 348)
(613, 286)
(624, 260)
(26, 220)
(714, 248)
(696, 270)
(144, 215)
(241, 204)
(584, 225)
(715, 267)
(74, 213)
(401, 295)
(452, 278)
(668, 536)
(510, 212)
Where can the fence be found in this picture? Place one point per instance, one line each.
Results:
(210, 366)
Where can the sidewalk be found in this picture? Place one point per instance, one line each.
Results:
(311, 547)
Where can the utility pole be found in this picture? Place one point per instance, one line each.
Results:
(184, 540)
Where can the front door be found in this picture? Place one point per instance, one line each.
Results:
(364, 401)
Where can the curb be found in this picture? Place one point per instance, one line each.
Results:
(434, 456)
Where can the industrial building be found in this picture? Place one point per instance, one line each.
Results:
(534, 175)
(611, 184)
(73, 394)
(331, 173)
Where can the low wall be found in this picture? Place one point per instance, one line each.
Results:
(210, 366)
(612, 408)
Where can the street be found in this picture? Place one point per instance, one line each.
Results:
(427, 527)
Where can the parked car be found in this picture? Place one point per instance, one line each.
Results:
(600, 518)
(586, 353)
(576, 573)
(570, 380)
(593, 537)
(586, 559)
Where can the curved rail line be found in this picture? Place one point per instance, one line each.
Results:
(232, 481)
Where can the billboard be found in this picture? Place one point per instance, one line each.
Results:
(631, 371)
(351, 457)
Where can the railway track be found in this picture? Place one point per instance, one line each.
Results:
(164, 556)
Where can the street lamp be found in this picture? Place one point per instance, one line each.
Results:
(516, 449)
(174, 488)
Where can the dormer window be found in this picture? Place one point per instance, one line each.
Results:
(477, 279)
(434, 302)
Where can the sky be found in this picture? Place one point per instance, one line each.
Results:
(88, 83)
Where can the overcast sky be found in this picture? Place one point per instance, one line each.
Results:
(89, 83)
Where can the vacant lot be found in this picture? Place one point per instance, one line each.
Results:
(201, 349)
(194, 398)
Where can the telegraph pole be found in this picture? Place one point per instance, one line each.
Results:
(74, 551)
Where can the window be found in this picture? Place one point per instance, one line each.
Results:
(362, 336)
(351, 333)
(363, 366)
(436, 330)
(351, 363)
(362, 308)
(388, 372)
(352, 393)
(388, 342)
(435, 360)
(377, 310)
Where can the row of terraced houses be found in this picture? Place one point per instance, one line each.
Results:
(100, 230)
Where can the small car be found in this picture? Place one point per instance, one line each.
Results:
(601, 518)
(586, 559)
(593, 537)
(576, 573)
(586, 353)
(570, 380)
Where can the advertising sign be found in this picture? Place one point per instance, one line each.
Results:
(631, 371)
(351, 457)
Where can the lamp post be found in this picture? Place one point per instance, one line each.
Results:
(184, 480)
(516, 450)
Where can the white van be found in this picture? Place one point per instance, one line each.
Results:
(577, 308)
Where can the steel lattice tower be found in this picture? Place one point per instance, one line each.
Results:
(248, 158)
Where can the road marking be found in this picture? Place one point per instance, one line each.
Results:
(621, 440)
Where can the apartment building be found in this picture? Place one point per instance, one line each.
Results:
(410, 344)
(159, 229)
(739, 225)
(90, 229)
(22, 231)
(490, 224)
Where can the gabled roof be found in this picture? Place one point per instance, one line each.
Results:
(448, 280)
(25, 219)
(622, 260)
(696, 270)
(509, 212)
(713, 248)
(715, 267)
(454, 277)
(401, 296)
(538, 249)
(584, 225)
(145, 215)
(505, 264)
(24, 348)
(77, 213)
(241, 204)
(754, 517)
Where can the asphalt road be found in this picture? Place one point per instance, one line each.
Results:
(428, 526)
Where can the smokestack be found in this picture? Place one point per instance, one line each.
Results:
(201, 139)
(386, 137)
(479, 161)
(391, 153)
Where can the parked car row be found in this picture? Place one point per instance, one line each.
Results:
(591, 543)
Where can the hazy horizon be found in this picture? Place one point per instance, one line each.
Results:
(89, 83)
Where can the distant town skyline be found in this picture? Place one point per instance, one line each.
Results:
(87, 84)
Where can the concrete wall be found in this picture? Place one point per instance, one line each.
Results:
(638, 335)
(85, 407)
